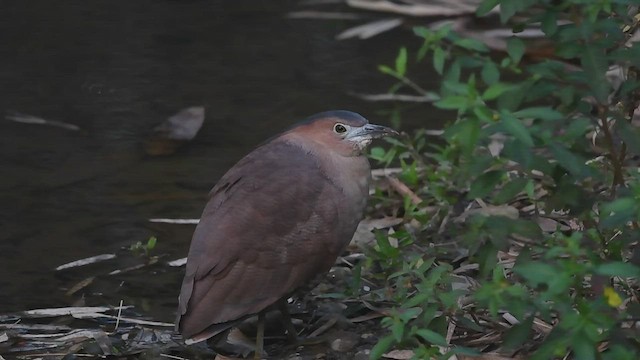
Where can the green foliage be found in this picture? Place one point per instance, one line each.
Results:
(140, 249)
(532, 184)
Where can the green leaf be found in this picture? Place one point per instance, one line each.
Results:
(629, 134)
(577, 129)
(432, 337)
(509, 190)
(508, 8)
(377, 153)
(530, 189)
(518, 334)
(618, 268)
(422, 31)
(464, 134)
(484, 184)
(401, 62)
(567, 95)
(625, 204)
(526, 228)
(512, 99)
(515, 127)
(490, 73)
(452, 102)
(594, 63)
(583, 347)
(151, 243)
(471, 44)
(568, 195)
(384, 246)
(455, 87)
(387, 70)
(453, 73)
(483, 113)
(515, 49)
(571, 162)
(549, 23)
(397, 330)
(381, 347)
(539, 112)
(486, 6)
(536, 272)
(438, 60)
(495, 90)
(461, 350)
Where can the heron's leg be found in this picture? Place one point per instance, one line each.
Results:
(292, 333)
(257, 355)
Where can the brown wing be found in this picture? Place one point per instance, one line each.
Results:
(270, 225)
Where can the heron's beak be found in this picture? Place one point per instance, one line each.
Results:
(370, 131)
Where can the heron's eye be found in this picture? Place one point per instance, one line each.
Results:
(339, 128)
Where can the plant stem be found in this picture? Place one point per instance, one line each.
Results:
(618, 177)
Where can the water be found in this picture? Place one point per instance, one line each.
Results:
(116, 69)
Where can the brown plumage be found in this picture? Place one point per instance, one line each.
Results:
(275, 220)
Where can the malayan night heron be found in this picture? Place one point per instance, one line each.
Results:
(275, 220)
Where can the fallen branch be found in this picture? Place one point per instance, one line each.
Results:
(404, 190)
(78, 310)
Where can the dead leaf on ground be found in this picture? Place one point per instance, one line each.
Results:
(30, 119)
(507, 211)
(86, 261)
(80, 285)
(418, 7)
(549, 225)
(364, 236)
(174, 132)
(343, 341)
(399, 355)
(370, 30)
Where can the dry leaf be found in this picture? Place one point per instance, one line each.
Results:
(399, 354)
(370, 30)
(86, 261)
(507, 211)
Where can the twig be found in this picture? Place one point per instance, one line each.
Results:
(30, 119)
(450, 330)
(618, 177)
(73, 311)
(86, 261)
(404, 190)
(123, 319)
(385, 172)
(322, 329)
(173, 357)
(175, 221)
(118, 318)
(429, 97)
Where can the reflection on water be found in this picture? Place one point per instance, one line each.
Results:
(116, 69)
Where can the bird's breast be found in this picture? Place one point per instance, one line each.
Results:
(352, 176)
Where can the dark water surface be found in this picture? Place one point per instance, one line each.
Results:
(118, 68)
